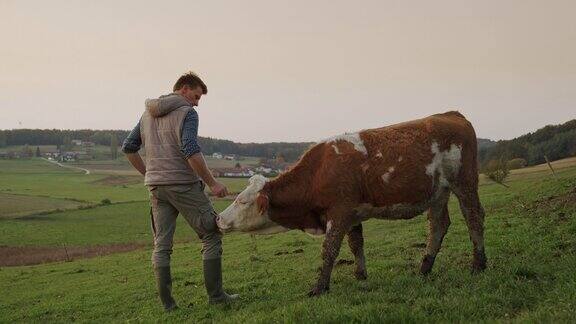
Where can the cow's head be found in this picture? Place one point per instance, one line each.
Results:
(249, 212)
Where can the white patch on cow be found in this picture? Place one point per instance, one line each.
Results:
(353, 138)
(453, 158)
(400, 158)
(336, 149)
(379, 154)
(386, 176)
(436, 160)
(446, 163)
(328, 226)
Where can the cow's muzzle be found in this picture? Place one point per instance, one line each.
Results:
(221, 225)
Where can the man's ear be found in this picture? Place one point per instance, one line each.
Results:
(262, 202)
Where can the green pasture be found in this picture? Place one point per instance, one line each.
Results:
(21, 205)
(70, 185)
(530, 244)
(109, 224)
(37, 177)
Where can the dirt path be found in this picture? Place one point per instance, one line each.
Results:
(86, 171)
(11, 256)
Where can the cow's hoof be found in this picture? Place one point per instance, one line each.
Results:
(479, 262)
(361, 275)
(317, 291)
(475, 270)
(427, 263)
(478, 267)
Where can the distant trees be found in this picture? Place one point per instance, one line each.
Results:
(113, 146)
(289, 151)
(63, 138)
(558, 146)
(555, 141)
(280, 158)
(26, 151)
(67, 143)
(56, 136)
(38, 151)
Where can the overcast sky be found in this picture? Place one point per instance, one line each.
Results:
(290, 70)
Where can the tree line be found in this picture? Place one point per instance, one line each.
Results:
(553, 141)
(290, 152)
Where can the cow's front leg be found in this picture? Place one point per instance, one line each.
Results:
(335, 231)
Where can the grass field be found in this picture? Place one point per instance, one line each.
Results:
(40, 178)
(530, 242)
(21, 205)
(117, 223)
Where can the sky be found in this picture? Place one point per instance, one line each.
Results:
(290, 70)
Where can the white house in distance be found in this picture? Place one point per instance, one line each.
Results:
(233, 172)
(244, 173)
(262, 169)
(78, 142)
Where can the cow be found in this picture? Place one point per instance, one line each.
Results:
(393, 172)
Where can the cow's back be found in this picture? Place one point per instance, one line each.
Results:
(396, 164)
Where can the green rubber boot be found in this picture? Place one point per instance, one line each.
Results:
(164, 285)
(213, 282)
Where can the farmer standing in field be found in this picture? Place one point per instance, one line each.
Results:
(176, 173)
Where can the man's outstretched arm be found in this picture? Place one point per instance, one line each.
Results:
(191, 151)
(198, 164)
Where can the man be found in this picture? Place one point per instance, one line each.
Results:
(175, 173)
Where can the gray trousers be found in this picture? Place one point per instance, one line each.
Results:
(190, 201)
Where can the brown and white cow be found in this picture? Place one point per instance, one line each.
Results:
(393, 172)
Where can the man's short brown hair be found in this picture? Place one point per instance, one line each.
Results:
(192, 80)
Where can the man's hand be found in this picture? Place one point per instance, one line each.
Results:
(219, 190)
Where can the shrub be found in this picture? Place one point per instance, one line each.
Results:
(497, 171)
(105, 201)
(516, 164)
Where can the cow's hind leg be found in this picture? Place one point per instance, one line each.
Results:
(356, 243)
(474, 215)
(336, 228)
(438, 223)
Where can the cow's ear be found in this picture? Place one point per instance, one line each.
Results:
(262, 203)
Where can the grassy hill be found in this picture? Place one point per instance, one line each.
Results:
(530, 242)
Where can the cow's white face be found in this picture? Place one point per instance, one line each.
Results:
(244, 213)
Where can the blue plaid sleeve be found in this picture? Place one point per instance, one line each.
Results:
(133, 142)
(189, 135)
